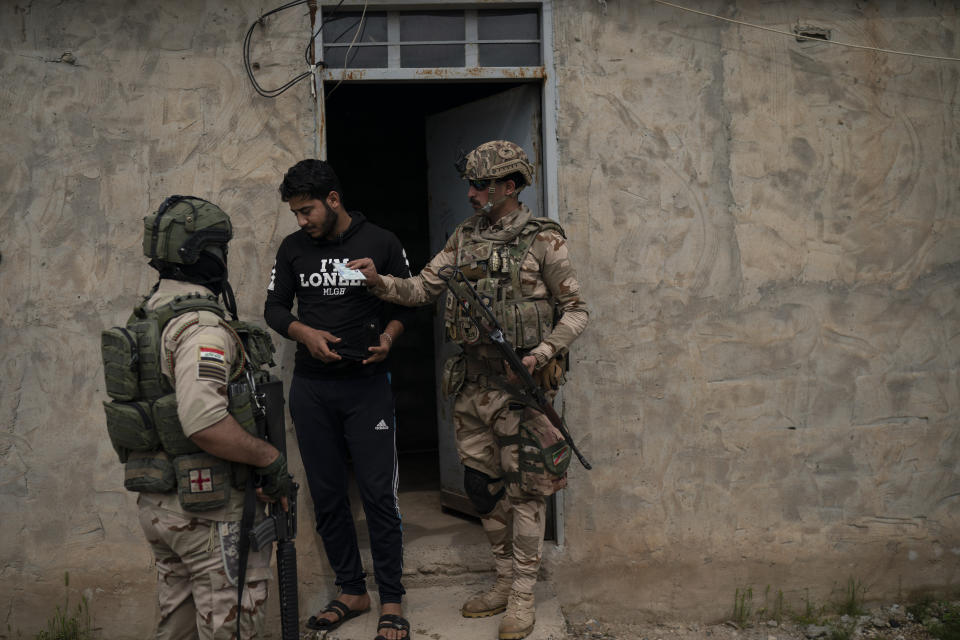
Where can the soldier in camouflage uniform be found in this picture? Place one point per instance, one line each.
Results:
(196, 549)
(520, 262)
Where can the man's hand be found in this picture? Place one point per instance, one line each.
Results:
(275, 481)
(550, 375)
(379, 352)
(317, 341)
(368, 269)
(529, 362)
(262, 497)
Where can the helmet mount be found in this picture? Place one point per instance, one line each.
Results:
(186, 239)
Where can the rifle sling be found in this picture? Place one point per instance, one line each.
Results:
(246, 524)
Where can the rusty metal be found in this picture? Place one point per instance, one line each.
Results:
(312, 6)
(434, 73)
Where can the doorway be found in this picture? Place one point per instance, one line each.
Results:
(377, 139)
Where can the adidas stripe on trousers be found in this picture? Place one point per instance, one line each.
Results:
(334, 420)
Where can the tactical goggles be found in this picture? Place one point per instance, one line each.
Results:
(480, 185)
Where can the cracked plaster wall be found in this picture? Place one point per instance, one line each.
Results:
(107, 108)
(768, 236)
(766, 231)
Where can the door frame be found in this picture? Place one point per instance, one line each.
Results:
(545, 74)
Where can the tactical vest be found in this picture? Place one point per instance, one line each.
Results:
(494, 268)
(142, 419)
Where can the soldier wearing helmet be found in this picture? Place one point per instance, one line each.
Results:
(520, 263)
(187, 442)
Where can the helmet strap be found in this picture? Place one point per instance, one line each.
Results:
(226, 291)
(491, 203)
(229, 301)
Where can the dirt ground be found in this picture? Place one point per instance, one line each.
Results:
(889, 622)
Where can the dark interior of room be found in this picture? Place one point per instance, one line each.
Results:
(376, 143)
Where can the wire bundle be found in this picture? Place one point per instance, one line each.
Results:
(273, 93)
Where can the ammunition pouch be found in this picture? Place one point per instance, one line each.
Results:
(543, 455)
(257, 345)
(525, 323)
(543, 458)
(130, 427)
(149, 471)
(203, 481)
(121, 363)
(454, 374)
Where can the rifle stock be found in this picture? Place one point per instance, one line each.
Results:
(482, 316)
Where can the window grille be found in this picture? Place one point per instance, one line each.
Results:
(472, 39)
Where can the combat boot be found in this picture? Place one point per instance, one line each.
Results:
(520, 617)
(488, 603)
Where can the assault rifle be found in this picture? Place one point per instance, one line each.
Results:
(279, 525)
(478, 309)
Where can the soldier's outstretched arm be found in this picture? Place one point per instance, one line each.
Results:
(418, 290)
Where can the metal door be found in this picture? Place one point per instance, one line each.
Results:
(511, 115)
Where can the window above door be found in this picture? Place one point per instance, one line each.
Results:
(377, 43)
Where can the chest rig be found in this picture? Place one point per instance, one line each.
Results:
(142, 420)
(494, 268)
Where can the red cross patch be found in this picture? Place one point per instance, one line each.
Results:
(201, 480)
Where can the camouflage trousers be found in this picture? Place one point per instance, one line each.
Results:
(485, 416)
(197, 568)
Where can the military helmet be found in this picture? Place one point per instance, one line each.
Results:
(494, 160)
(183, 227)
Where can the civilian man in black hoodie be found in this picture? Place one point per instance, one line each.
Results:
(340, 397)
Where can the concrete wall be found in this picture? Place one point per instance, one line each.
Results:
(151, 99)
(766, 231)
(768, 235)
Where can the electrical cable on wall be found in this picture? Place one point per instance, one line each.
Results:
(273, 93)
(805, 37)
(346, 57)
(306, 51)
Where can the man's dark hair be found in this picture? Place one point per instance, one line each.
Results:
(518, 180)
(311, 178)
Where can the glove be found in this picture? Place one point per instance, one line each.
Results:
(550, 377)
(274, 479)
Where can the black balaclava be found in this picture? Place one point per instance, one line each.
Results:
(210, 271)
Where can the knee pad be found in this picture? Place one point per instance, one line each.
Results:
(477, 485)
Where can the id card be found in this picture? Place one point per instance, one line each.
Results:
(348, 274)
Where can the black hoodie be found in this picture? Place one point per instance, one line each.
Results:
(304, 270)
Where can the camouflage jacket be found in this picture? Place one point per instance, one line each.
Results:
(545, 272)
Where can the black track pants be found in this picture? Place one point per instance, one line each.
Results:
(355, 416)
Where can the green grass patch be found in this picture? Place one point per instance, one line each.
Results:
(851, 598)
(811, 614)
(742, 606)
(67, 623)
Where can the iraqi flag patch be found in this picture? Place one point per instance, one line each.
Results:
(211, 364)
(212, 354)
